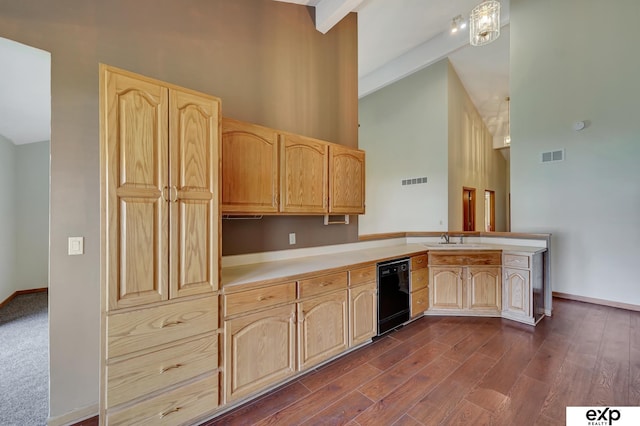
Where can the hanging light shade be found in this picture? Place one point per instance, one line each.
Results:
(484, 23)
(507, 138)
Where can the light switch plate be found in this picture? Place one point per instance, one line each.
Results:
(76, 246)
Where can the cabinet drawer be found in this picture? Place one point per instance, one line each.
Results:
(179, 406)
(419, 302)
(142, 329)
(516, 261)
(466, 258)
(419, 279)
(362, 275)
(259, 298)
(323, 284)
(132, 378)
(419, 262)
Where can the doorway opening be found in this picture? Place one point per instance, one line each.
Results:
(489, 210)
(25, 156)
(468, 209)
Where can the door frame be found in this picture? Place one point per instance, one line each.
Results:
(492, 209)
(470, 216)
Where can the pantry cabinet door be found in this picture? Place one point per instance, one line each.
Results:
(134, 175)
(194, 182)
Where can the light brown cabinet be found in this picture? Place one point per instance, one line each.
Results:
(419, 294)
(250, 175)
(465, 283)
(363, 305)
(323, 328)
(346, 180)
(304, 176)
(484, 288)
(266, 171)
(517, 288)
(160, 176)
(160, 217)
(260, 350)
(446, 287)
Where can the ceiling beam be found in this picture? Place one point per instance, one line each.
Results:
(330, 12)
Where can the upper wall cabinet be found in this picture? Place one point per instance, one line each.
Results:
(249, 168)
(265, 171)
(160, 180)
(303, 174)
(346, 180)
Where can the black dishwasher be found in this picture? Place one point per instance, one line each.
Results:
(393, 294)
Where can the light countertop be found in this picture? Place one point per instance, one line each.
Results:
(282, 270)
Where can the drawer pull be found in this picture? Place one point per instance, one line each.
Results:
(171, 324)
(171, 367)
(261, 298)
(166, 413)
(419, 261)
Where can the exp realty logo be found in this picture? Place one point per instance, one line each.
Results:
(603, 416)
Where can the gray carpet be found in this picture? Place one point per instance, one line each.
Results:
(24, 361)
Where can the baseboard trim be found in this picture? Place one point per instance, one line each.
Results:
(74, 417)
(595, 301)
(19, 292)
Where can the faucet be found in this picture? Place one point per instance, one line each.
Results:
(461, 239)
(445, 237)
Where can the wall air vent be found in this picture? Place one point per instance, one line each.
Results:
(552, 156)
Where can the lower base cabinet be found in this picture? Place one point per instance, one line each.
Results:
(260, 350)
(363, 313)
(484, 288)
(516, 292)
(446, 287)
(323, 328)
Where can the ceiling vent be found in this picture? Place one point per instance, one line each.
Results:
(552, 156)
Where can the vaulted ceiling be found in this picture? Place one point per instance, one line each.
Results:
(395, 39)
(399, 37)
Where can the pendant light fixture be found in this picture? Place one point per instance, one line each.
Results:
(507, 138)
(484, 23)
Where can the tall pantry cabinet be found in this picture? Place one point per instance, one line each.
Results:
(160, 250)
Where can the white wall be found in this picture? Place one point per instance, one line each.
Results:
(32, 213)
(7, 219)
(578, 60)
(403, 129)
(24, 216)
(473, 163)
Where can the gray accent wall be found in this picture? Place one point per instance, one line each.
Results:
(7, 219)
(263, 58)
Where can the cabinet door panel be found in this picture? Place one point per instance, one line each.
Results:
(517, 291)
(446, 287)
(135, 176)
(363, 313)
(484, 288)
(194, 193)
(249, 168)
(303, 175)
(323, 328)
(260, 350)
(419, 302)
(346, 180)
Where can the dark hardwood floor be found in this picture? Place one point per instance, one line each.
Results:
(468, 371)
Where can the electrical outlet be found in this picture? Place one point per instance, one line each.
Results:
(292, 238)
